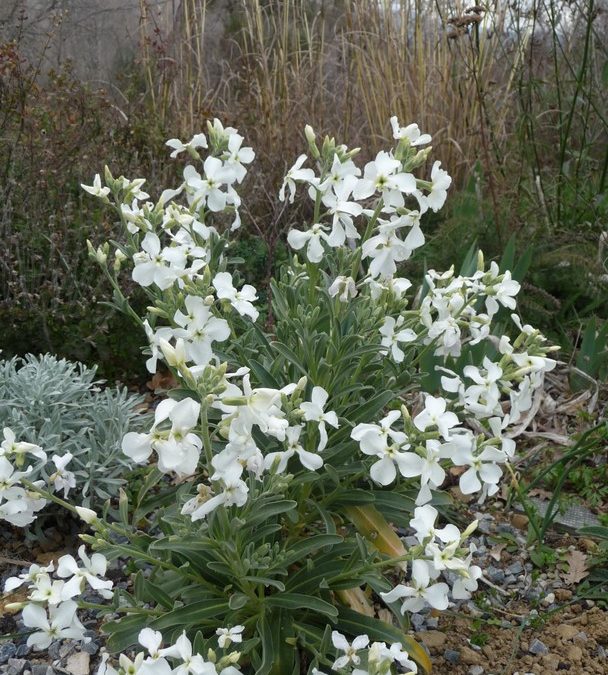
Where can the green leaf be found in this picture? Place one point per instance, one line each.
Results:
(299, 601)
(193, 614)
(302, 548)
(289, 356)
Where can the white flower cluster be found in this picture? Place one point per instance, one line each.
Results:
(186, 661)
(19, 503)
(247, 408)
(344, 191)
(361, 658)
(51, 611)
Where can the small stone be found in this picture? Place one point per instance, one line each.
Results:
(476, 670)
(451, 656)
(601, 652)
(495, 574)
(78, 663)
(566, 632)
(23, 651)
(519, 521)
(515, 568)
(90, 647)
(433, 639)
(53, 650)
(470, 656)
(7, 651)
(563, 594)
(510, 580)
(432, 622)
(417, 621)
(574, 653)
(549, 599)
(42, 669)
(537, 647)
(17, 666)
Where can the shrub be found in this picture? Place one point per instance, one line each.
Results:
(62, 407)
(294, 450)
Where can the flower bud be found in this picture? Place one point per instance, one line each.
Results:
(88, 515)
(312, 141)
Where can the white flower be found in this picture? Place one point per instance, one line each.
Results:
(11, 447)
(228, 635)
(344, 288)
(197, 141)
(208, 190)
(441, 181)
(87, 515)
(435, 415)
(178, 449)
(391, 336)
(199, 329)
(314, 412)
(93, 568)
(234, 494)
(310, 460)
(311, 239)
(385, 249)
(411, 132)
(61, 478)
(154, 265)
(96, 190)
(350, 650)
(296, 173)
(241, 300)
(29, 577)
(342, 210)
(421, 592)
(483, 466)
(47, 591)
(190, 663)
(383, 175)
(60, 624)
(237, 156)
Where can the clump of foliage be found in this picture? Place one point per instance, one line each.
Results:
(61, 407)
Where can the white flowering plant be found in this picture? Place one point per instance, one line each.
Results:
(264, 538)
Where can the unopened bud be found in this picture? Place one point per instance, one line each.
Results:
(88, 515)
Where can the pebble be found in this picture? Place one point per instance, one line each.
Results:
(515, 568)
(78, 663)
(549, 599)
(17, 666)
(432, 622)
(7, 651)
(23, 651)
(451, 656)
(90, 647)
(42, 669)
(476, 670)
(53, 650)
(495, 574)
(433, 639)
(418, 621)
(537, 647)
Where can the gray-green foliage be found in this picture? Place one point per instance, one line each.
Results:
(60, 406)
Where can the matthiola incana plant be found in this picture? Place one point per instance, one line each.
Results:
(263, 539)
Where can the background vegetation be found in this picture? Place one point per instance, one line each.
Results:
(513, 93)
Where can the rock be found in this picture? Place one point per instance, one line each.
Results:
(519, 521)
(470, 656)
(90, 647)
(574, 653)
(537, 647)
(417, 621)
(601, 652)
(53, 650)
(495, 574)
(17, 666)
(510, 580)
(7, 651)
(432, 622)
(563, 594)
(78, 663)
(515, 568)
(23, 651)
(549, 599)
(476, 670)
(433, 639)
(451, 656)
(42, 669)
(581, 637)
(566, 632)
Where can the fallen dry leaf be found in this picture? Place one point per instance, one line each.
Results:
(577, 567)
(497, 550)
(162, 381)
